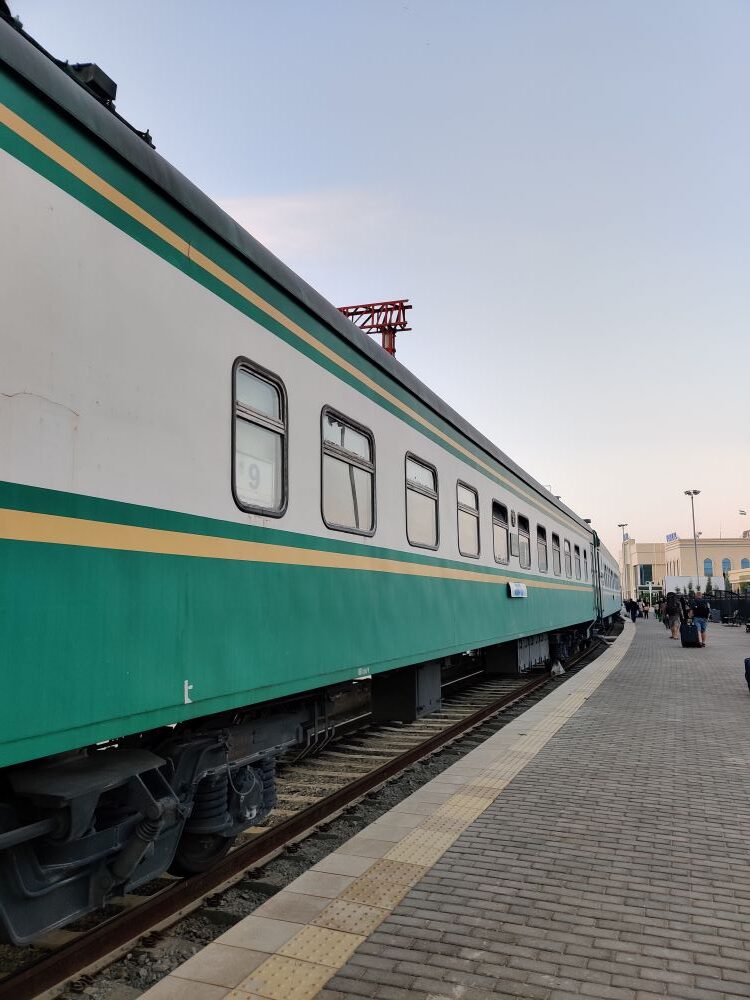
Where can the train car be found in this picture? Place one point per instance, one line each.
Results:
(220, 505)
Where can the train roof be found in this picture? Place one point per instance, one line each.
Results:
(38, 68)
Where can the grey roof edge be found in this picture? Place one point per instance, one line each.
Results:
(38, 69)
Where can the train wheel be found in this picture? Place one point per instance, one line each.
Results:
(197, 852)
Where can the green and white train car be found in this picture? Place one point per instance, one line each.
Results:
(218, 502)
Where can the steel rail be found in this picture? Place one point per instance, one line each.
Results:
(123, 929)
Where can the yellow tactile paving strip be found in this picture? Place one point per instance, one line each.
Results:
(302, 955)
(355, 918)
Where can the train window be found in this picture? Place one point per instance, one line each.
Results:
(259, 481)
(585, 565)
(541, 548)
(421, 504)
(467, 504)
(500, 531)
(556, 555)
(524, 542)
(348, 474)
(577, 559)
(568, 562)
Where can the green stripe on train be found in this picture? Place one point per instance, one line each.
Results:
(114, 636)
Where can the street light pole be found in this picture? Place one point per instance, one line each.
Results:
(623, 526)
(693, 494)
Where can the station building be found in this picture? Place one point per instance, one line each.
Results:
(740, 578)
(644, 563)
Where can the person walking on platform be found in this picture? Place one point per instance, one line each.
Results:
(633, 609)
(662, 613)
(701, 610)
(646, 609)
(674, 615)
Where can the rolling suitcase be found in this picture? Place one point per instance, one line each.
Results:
(689, 635)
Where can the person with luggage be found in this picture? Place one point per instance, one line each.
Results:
(664, 614)
(701, 610)
(690, 636)
(673, 616)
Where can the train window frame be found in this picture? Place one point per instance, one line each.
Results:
(471, 511)
(577, 560)
(527, 535)
(556, 551)
(568, 559)
(241, 411)
(541, 543)
(585, 564)
(503, 525)
(343, 455)
(417, 488)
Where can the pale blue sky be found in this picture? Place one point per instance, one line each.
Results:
(559, 186)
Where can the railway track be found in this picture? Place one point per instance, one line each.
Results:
(312, 790)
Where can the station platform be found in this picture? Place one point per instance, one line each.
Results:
(597, 846)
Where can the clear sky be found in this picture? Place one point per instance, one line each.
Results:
(561, 187)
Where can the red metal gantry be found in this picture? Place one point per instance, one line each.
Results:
(385, 318)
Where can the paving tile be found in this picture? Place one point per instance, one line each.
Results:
(430, 793)
(417, 808)
(172, 988)
(343, 864)
(382, 894)
(317, 883)
(283, 978)
(346, 915)
(298, 907)
(259, 934)
(366, 847)
(396, 827)
(220, 965)
(322, 945)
